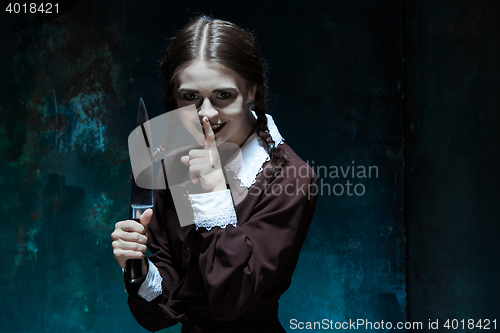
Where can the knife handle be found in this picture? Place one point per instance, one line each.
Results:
(133, 267)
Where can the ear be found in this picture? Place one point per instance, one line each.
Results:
(251, 93)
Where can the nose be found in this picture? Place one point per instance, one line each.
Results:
(207, 109)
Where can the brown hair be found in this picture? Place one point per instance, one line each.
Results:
(231, 46)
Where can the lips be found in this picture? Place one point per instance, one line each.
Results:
(217, 127)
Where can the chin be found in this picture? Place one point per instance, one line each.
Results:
(220, 139)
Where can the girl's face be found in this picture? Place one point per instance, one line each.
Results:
(221, 95)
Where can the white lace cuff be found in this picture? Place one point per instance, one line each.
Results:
(214, 209)
(151, 287)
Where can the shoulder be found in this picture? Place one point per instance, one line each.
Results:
(295, 167)
(294, 173)
(291, 188)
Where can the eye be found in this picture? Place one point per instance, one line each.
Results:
(223, 95)
(190, 96)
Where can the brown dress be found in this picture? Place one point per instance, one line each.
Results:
(230, 279)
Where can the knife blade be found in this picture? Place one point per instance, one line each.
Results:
(141, 197)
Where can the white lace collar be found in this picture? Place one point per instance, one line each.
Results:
(248, 162)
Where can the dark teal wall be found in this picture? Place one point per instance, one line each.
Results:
(452, 157)
(70, 90)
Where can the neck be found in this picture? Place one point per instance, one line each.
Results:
(250, 126)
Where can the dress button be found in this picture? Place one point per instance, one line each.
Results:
(187, 251)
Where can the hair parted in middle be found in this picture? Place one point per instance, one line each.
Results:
(229, 45)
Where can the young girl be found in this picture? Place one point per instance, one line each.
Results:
(226, 271)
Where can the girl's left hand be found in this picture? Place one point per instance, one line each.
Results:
(204, 164)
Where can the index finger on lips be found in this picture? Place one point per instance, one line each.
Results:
(209, 134)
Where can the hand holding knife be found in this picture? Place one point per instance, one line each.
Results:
(141, 198)
(126, 245)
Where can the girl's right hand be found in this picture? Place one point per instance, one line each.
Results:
(130, 239)
(204, 164)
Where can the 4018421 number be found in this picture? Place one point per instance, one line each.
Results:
(32, 8)
(469, 324)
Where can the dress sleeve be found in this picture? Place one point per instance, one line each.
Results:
(238, 264)
(149, 314)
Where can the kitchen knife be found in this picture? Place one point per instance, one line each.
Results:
(141, 198)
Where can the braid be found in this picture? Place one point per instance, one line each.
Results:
(229, 45)
(277, 154)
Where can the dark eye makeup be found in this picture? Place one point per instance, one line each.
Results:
(189, 96)
(221, 94)
(224, 95)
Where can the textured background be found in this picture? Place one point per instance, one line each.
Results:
(70, 90)
(452, 124)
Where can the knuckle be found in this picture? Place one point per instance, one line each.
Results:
(120, 224)
(136, 255)
(116, 235)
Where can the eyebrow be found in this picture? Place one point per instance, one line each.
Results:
(184, 90)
